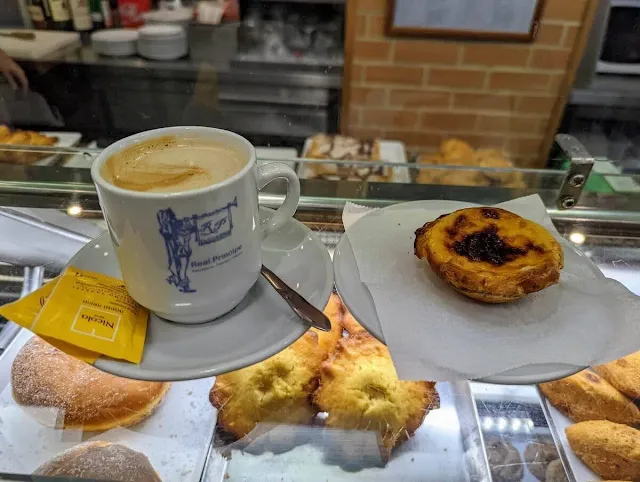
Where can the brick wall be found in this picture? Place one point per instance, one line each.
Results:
(493, 94)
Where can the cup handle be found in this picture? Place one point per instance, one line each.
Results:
(266, 174)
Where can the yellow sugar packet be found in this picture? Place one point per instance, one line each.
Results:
(95, 312)
(24, 311)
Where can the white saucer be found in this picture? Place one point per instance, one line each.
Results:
(358, 299)
(261, 326)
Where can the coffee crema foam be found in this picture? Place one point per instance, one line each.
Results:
(172, 164)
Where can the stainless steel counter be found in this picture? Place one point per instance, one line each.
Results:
(608, 90)
(315, 74)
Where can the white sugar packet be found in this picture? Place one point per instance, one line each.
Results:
(434, 333)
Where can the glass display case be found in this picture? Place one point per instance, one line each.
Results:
(473, 432)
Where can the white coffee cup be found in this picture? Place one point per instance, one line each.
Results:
(170, 263)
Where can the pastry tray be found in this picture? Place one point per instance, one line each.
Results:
(176, 437)
(558, 422)
(447, 447)
(390, 151)
(513, 415)
(65, 139)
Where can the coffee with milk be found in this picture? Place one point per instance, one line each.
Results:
(172, 164)
(181, 206)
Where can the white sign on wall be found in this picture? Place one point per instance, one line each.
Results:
(483, 19)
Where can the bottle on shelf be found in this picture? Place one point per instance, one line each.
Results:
(97, 17)
(60, 14)
(81, 15)
(101, 14)
(115, 13)
(40, 14)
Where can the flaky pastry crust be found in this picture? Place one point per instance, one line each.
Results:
(276, 390)
(587, 396)
(611, 450)
(490, 254)
(624, 374)
(456, 152)
(321, 144)
(360, 390)
(345, 148)
(25, 138)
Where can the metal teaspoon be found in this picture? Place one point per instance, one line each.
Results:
(298, 304)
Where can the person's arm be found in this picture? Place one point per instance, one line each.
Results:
(13, 72)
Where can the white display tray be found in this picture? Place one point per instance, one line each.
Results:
(446, 447)
(65, 139)
(175, 437)
(390, 151)
(82, 160)
(558, 422)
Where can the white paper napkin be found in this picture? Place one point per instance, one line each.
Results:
(434, 333)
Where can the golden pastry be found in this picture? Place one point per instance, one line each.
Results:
(587, 396)
(462, 178)
(456, 152)
(360, 390)
(497, 159)
(276, 390)
(85, 397)
(37, 139)
(338, 147)
(490, 158)
(100, 461)
(459, 153)
(490, 254)
(329, 339)
(426, 175)
(610, 449)
(432, 158)
(18, 138)
(9, 136)
(624, 374)
(27, 138)
(345, 148)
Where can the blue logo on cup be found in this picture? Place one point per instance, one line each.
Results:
(178, 232)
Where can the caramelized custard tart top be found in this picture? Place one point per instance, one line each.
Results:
(490, 254)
